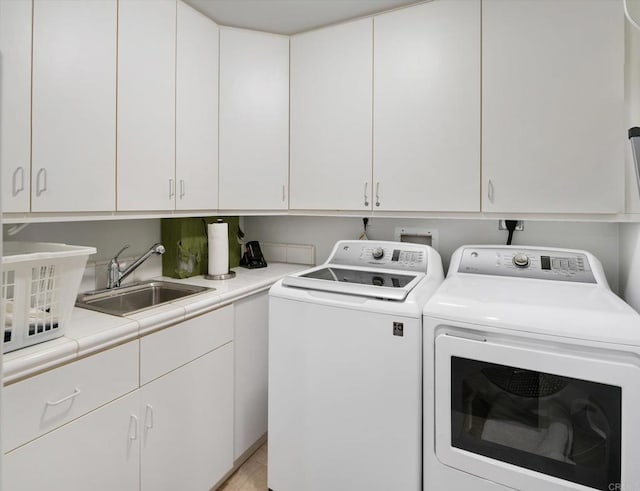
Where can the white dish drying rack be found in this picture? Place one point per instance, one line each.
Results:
(40, 282)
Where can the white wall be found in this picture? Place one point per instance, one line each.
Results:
(630, 233)
(630, 264)
(600, 239)
(109, 236)
(106, 236)
(632, 96)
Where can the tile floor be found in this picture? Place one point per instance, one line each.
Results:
(251, 476)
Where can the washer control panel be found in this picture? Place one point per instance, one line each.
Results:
(527, 263)
(388, 255)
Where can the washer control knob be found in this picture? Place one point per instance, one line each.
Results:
(521, 260)
(377, 253)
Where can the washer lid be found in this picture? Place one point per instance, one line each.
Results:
(366, 282)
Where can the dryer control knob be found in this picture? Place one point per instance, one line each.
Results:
(377, 253)
(521, 260)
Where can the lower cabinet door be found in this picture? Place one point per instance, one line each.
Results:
(99, 451)
(251, 340)
(187, 425)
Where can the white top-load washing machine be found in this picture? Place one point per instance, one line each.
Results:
(531, 375)
(345, 369)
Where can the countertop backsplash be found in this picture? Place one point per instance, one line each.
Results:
(95, 275)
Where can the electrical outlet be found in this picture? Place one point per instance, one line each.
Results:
(503, 226)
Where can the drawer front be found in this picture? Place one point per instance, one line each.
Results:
(42, 403)
(175, 346)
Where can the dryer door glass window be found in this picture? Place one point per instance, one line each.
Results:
(562, 427)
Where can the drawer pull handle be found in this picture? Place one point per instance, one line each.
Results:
(133, 427)
(148, 417)
(64, 399)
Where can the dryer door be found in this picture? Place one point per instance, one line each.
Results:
(532, 419)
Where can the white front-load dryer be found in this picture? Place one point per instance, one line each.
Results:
(531, 375)
(345, 370)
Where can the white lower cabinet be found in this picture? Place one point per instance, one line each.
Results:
(250, 338)
(187, 425)
(99, 451)
(173, 433)
(89, 425)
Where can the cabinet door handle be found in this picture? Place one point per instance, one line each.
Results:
(283, 192)
(172, 191)
(64, 399)
(490, 191)
(41, 189)
(148, 417)
(366, 198)
(16, 189)
(133, 427)
(377, 194)
(182, 188)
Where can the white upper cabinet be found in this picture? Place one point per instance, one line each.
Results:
(426, 116)
(146, 104)
(331, 117)
(254, 120)
(553, 131)
(15, 104)
(74, 105)
(196, 110)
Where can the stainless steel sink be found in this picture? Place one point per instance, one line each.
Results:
(133, 298)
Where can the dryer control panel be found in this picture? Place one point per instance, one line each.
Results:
(543, 264)
(388, 255)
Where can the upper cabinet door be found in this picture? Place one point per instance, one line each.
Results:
(331, 117)
(426, 116)
(254, 120)
(146, 104)
(196, 111)
(553, 130)
(15, 104)
(74, 105)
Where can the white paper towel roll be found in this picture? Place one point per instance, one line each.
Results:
(218, 236)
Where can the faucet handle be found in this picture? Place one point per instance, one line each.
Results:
(115, 258)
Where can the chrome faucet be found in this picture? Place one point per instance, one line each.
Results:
(116, 275)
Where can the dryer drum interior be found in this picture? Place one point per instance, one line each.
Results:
(560, 426)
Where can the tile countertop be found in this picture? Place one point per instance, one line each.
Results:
(89, 332)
